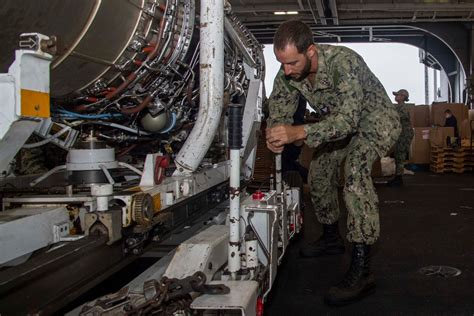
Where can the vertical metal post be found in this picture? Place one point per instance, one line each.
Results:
(235, 143)
(427, 94)
(435, 85)
(279, 188)
(234, 213)
(471, 51)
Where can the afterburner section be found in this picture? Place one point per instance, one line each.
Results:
(133, 62)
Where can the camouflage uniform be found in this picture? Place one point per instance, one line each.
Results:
(402, 146)
(359, 123)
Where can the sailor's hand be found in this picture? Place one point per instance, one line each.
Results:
(275, 149)
(280, 135)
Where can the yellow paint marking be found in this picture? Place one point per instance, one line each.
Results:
(157, 202)
(34, 103)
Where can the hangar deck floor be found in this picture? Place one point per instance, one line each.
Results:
(429, 221)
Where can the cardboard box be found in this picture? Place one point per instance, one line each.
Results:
(421, 116)
(471, 115)
(420, 146)
(465, 132)
(460, 111)
(438, 136)
(466, 143)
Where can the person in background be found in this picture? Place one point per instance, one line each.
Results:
(358, 124)
(402, 146)
(451, 121)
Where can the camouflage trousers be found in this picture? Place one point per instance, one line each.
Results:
(401, 151)
(357, 155)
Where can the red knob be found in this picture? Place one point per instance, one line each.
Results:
(258, 195)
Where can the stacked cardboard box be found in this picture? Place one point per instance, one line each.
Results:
(459, 111)
(433, 134)
(466, 131)
(439, 136)
(419, 115)
(446, 158)
(420, 145)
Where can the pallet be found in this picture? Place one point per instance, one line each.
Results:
(450, 169)
(464, 154)
(452, 160)
(451, 165)
(458, 160)
(442, 150)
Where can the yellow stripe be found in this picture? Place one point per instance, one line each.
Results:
(157, 202)
(34, 103)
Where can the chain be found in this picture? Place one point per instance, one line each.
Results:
(163, 298)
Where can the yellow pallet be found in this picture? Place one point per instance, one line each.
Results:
(452, 160)
(452, 154)
(450, 169)
(445, 150)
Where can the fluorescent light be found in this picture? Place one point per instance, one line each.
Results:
(285, 12)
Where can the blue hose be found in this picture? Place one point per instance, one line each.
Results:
(88, 116)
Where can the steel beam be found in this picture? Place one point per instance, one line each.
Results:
(407, 7)
(320, 8)
(333, 7)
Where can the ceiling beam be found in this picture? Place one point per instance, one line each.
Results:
(300, 3)
(333, 7)
(447, 7)
(251, 8)
(356, 19)
(320, 8)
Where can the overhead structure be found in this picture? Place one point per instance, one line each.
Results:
(443, 29)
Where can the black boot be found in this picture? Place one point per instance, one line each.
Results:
(330, 243)
(358, 281)
(397, 181)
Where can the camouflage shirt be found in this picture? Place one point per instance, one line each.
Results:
(346, 94)
(407, 130)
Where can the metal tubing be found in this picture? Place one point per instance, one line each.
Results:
(234, 213)
(211, 86)
(279, 189)
(46, 175)
(126, 165)
(107, 174)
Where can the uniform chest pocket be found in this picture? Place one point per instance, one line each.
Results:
(325, 102)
